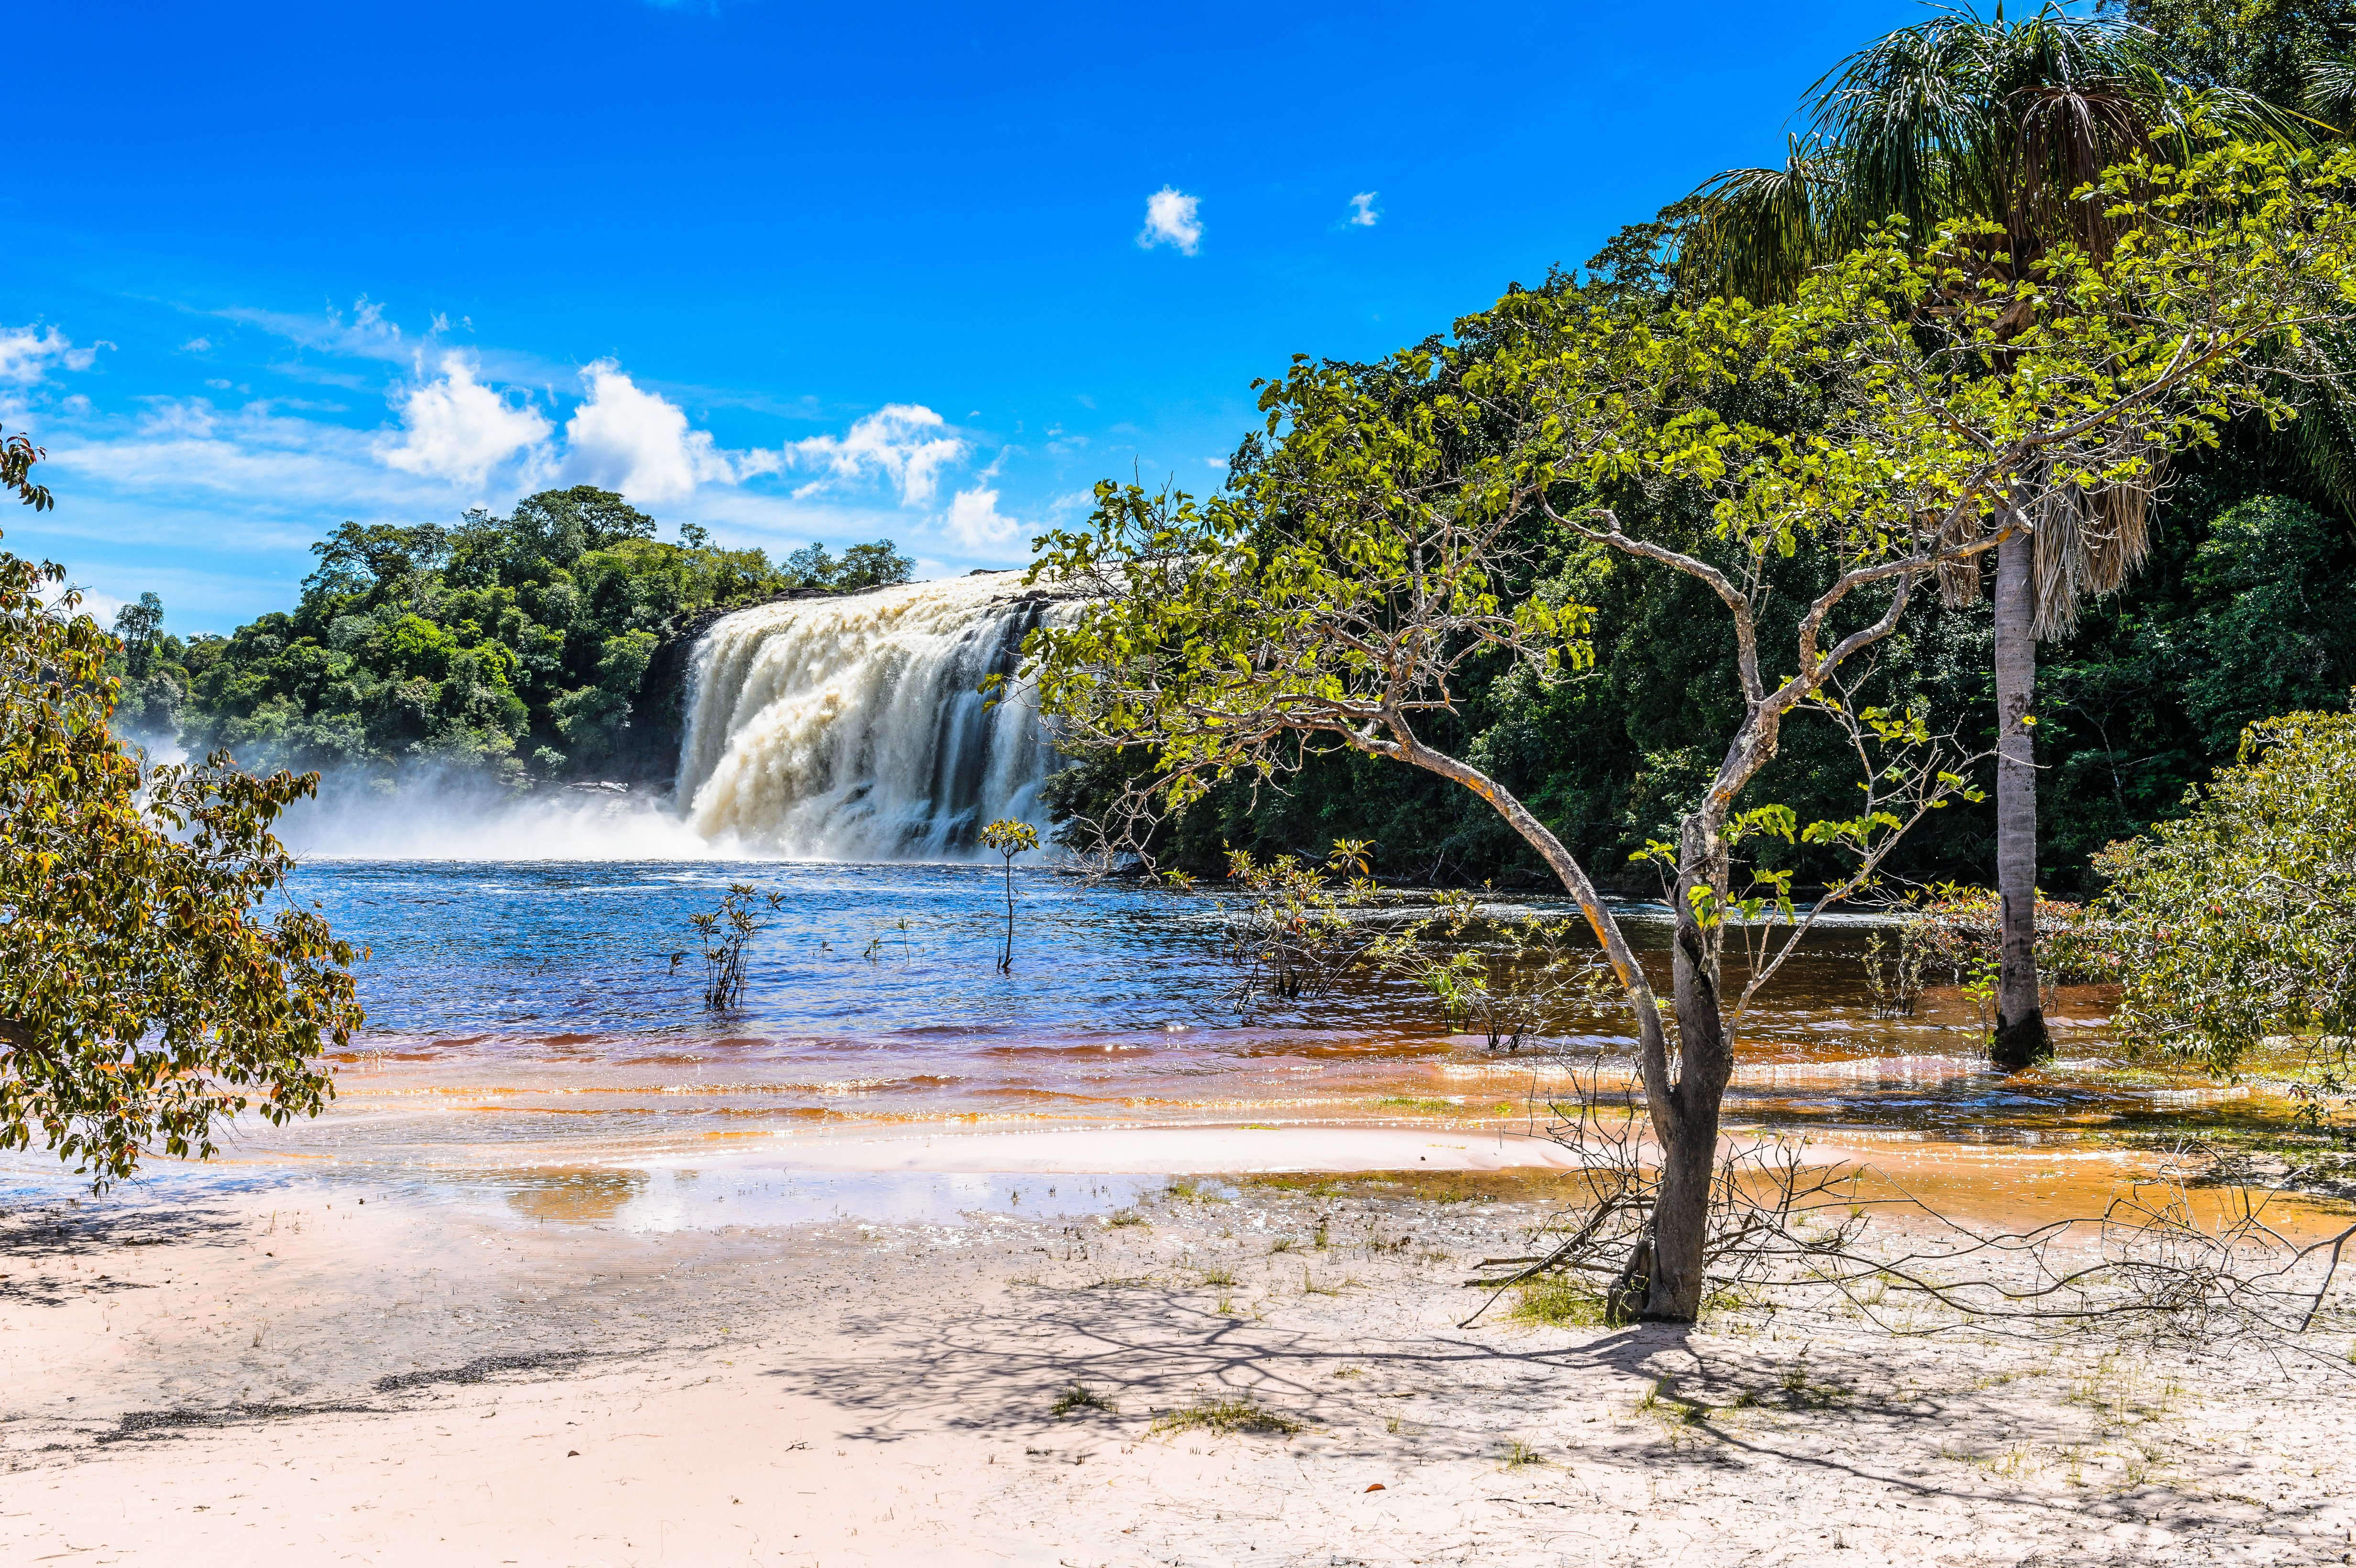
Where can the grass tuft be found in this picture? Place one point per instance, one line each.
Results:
(1080, 1396)
(1128, 1217)
(1221, 1417)
(1558, 1301)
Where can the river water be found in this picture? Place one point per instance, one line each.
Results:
(540, 1013)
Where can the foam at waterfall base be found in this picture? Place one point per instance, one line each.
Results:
(431, 815)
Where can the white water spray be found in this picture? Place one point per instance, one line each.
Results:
(854, 729)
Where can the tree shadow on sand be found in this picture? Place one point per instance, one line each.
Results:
(43, 1235)
(1679, 1401)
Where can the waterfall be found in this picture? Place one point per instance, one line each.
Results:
(853, 728)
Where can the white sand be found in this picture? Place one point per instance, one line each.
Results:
(206, 1383)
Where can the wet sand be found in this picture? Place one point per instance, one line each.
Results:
(348, 1371)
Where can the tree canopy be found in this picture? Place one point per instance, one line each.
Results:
(1330, 597)
(147, 992)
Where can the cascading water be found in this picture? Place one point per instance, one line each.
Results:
(854, 729)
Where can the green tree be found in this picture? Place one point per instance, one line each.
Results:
(2236, 922)
(2284, 51)
(876, 565)
(138, 627)
(145, 997)
(1339, 598)
(1009, 838)
(1999, 122)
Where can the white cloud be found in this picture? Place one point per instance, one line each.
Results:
(367, 335)
(197, 345)
(456, 428)
(1365, 215)
(628, 439)
(26, 353)
(1171, 219)
(974, 520)
(903, 442)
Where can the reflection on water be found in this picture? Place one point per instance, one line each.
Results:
(528, 1015)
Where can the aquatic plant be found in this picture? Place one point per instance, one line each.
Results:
(1505, 976)
(1009, 839)
(1957, 930)
(1292, 938)
(724, 933)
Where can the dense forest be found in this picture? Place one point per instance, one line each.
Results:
(523, 647)
(2245, 608)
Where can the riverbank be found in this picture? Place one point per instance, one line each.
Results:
(354, 1372)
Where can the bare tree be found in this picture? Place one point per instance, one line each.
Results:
(2163, 1261)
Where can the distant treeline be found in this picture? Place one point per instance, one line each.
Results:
(516, 647)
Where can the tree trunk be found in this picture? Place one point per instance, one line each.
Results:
(1705, 1064)
(1685, 1112)
(1006, 957)
(2019, 1021)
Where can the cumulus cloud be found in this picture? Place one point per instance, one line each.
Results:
(1171, 218)
(625, 438)
(906, 443)
(974, 520)
(26, 353)
(456, 428)
(1365, 215)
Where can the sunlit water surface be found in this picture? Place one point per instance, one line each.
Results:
(546, 1014)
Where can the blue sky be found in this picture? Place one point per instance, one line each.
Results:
(790, 273)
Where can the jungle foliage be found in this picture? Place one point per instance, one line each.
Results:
(514, 646)
(2236, 923)
(2246, 607)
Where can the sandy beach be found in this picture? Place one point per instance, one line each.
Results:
(283, 1370)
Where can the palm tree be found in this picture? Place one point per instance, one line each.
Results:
(1961, 117)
